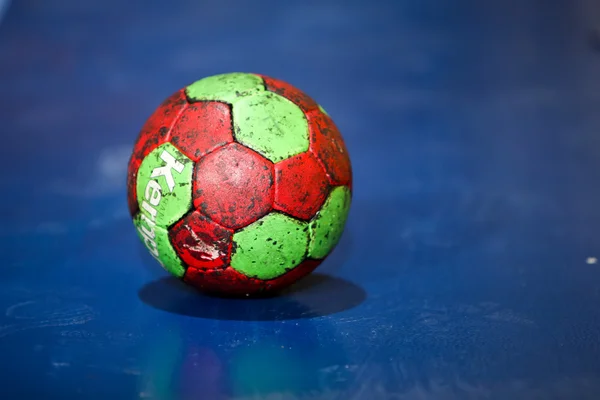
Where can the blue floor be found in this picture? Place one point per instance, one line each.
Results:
(468, 267)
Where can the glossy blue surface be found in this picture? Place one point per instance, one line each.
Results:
(466, 270)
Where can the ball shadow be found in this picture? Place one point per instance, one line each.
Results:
(316, 295)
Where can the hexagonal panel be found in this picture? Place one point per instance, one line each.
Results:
(327, 144)
(164, 185)
(155, 132)
(328, 225)
(301, 186)
(229, 281)
(294, 275)
(156, 240)
(295, 95)
(201, 128)
(233, 186)
(270, 124)
(200, 242)
(270, 246)
(228, 88)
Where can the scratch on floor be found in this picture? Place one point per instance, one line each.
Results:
(64, 316)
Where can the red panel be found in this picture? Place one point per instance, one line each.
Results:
(233, 186)
(291, 93)
(201, 128)
(327, 144)
(200, 242)
(231, 282)
(155, 132)
(301, 186)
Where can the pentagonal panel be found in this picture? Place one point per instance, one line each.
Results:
(233, 186)
(327, 144)
(229, 281)
(270, 124)
(295, 95)
(155, 132)
(270, 246)
(201, 128)
(227, 88)
(200, 242)
(156, 240)
(164, 185)
(328, 225)
(301, 186)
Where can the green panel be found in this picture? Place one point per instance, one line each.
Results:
(164, 185)
(270, 246)
(272, 125)
(328, 225)
(227, 88)
(156, 240)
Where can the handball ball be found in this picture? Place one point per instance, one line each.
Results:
(239, 184)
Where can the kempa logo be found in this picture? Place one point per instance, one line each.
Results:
(153, 195)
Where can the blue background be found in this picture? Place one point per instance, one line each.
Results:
(464, 271)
